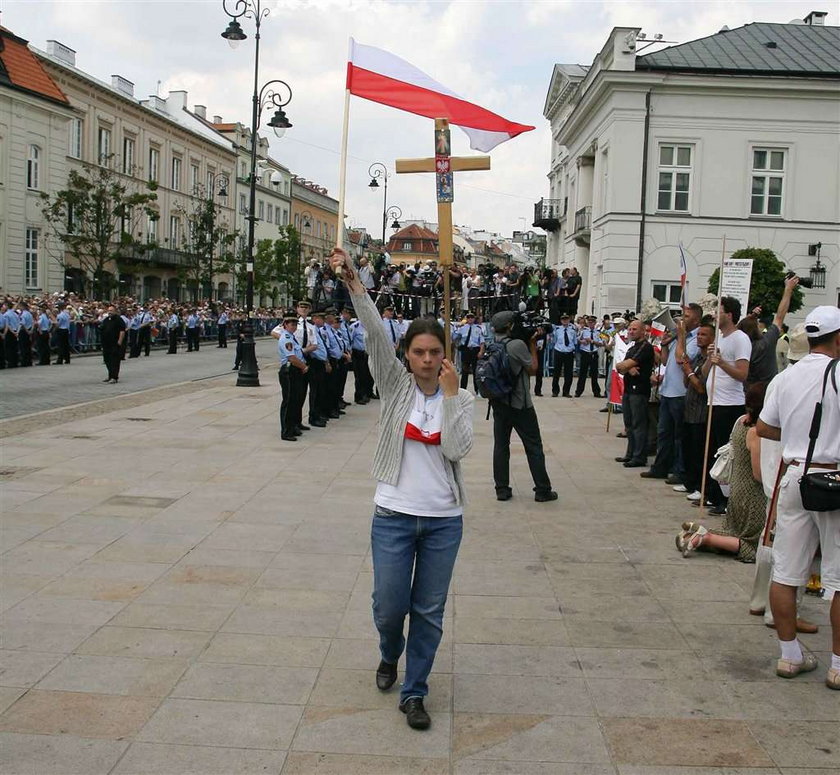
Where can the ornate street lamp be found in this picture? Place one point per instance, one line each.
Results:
(219, 182)
(305, 223)
(817, 271)
(267, 97)
(396, 213)
(376, 171)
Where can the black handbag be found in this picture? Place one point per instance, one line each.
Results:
(820, 490)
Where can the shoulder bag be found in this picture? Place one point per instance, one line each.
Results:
(820, 490)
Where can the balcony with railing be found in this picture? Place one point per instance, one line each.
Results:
(583, 226)
(160, 256)
(548, 213)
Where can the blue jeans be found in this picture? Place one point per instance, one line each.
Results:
(413, 559)
(669, 438)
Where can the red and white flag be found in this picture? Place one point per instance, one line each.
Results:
(683, 273)
(380, 76)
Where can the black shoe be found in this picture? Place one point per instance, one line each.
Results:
(343, 404)
(635, 464)
(304, 428)
(334, 415)
(386, 675)
(622, 459)
(362, 401)
(289, 437)
(317, 424)
(674, 479)
(652, 475)
(538, 394)
(554, 395)
(503, 493)
(578, 395)
(567, 395)
(542, 497)
(107, 380)
(604, 410)
(375, 397)
(415, 713)
(717, 511)
(597, 395)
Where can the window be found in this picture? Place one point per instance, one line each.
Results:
(297, 222)
(153, 228)
(174, 232)
(768, 177)
(176, 174)
(243, 204)
(406, 246)
(242, 168)
(261, 210)
(128, 155)
(194, 174)
(33, 168)
(269, 213)
(285, 220)
(31, 258)
(667, 293)
(208, 186)
(674, 177)
(277, 217)
(75, 149)
(154, 163)
(104, 145)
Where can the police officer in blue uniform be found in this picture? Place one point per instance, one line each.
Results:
(62, 322)
(565, 340)
(319, 367)
(470, 339)
(144, 333)
(222, 323)
(589, 341)
(343, 338)
(335, 353)
(27, 328)
(292, 371)
(172, 326)
(134, 334)
(193, 336)
(43, 341)
(10, 340)
(361, 372)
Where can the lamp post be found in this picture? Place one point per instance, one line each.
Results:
(248, 376)
(376, 171)
(221, 181)
(305, 223)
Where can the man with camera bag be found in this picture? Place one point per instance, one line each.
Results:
(515, 411)
(802, 526)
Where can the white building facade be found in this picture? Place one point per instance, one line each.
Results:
(734, 135)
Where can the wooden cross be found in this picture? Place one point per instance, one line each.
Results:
(444, 165)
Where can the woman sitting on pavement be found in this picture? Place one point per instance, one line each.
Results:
(425, 428)
(744, 520)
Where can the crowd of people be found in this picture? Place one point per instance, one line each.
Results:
(416, 289)
(33, 329)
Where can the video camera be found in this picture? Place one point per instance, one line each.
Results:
(805, 282)
(526, 324)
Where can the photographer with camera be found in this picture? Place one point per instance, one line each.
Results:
(516, 410)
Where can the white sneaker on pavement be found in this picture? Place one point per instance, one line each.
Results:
(694, 497)
(680, 488)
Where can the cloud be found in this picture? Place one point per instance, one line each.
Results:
(499, 54)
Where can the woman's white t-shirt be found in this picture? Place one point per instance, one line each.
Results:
(423, 488)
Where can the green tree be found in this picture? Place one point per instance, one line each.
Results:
(767, 283)
(206, 241)
(92, 222)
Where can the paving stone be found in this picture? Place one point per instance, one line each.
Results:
(697, 742)
(145, 643)
(173, 617)
(545, 695)
(79, 714)
(156, 759)
(225, 724)
(43, 754)
(115, 675)
(799, 743)
(495, 659)
(9, 695)
(283, 651)
(533, 632)
(44, 636)
(348, 764)
(26, 668)
(248, 683)
(357, 689)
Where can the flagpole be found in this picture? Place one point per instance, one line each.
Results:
(714, 374)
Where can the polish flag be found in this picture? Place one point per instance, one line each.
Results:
(382, 77)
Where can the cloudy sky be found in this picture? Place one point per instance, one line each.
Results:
(497, 53)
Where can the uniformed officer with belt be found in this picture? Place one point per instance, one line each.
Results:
(305, 336)
(335, 353)
(27, 328)
(44, 328)
(471, 338)
(172, 326)
(62, 321)
(222, 323)
(11, 337)
(358, 349)
(319, 368)
(343, 336)
(292, 370)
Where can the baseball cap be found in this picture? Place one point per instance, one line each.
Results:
(798, 343)
(822, 320)
(502, 320)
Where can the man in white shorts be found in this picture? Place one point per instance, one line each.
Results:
(787, 417)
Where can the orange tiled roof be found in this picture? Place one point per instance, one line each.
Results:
(413, 231)
(23, 69)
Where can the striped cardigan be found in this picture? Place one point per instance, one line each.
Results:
(396, 388)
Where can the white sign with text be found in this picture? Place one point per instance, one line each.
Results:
(737, 275)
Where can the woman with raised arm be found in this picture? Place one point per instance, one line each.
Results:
(425, 428)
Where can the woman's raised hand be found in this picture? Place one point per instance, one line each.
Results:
(448, 379)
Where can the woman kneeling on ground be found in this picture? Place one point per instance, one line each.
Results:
(744, 520)
(425, 428)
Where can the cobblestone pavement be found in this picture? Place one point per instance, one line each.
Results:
(41, 388)
(183, 592)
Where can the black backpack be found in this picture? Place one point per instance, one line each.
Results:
(492, 372)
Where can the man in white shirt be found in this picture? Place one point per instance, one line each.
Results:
(725, 388)
(786, 417)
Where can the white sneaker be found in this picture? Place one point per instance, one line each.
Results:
(680, 488)
(694, 497)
